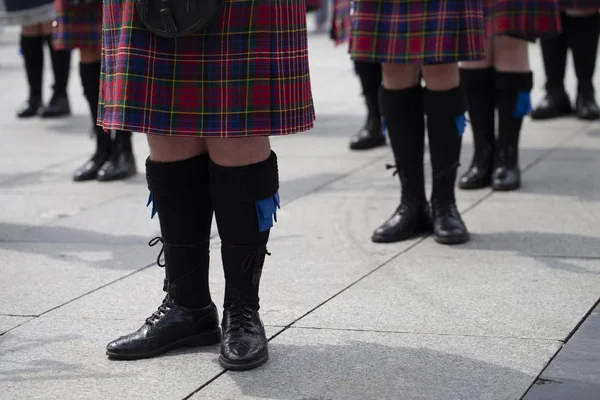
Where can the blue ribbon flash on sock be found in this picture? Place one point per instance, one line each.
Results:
(461, 125)
(266, 211)
(151, 201)
(523, 106)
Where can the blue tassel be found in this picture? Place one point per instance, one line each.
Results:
(151, 201)
(461, 125)
(266, 211)
(523, 106)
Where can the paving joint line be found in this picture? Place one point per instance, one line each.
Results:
(564, 342)
(81, 296)
(425, 333)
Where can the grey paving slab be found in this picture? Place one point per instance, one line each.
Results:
(575, 371)
(470, 293)
(53, 358)
(10, 322)
(324, 364)
(43, 276)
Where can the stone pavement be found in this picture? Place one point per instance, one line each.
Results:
(348, 319)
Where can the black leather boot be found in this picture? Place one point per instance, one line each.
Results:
(121, 162)
(556, 102)
(403, 110)
(479, 88)
(371, 135)
(33, 55)
(187, 316)
(61, 66)
(513, 99)
(89, 170)
(245, 200)
(445, 125)
(583, 34)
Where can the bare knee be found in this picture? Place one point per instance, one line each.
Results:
(485, 63)
(512, 55)
(90, 56)
(400, 76)
(582, 13)
(31, 30)
(441, 77)
(172, 148)
(233, 152)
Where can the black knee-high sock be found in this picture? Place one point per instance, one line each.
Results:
(32, 48)
(61, 66)
(445, 126)
(181, 197)
(513, 101)
(554, 52)
(370, 76)
(245, 200)
(583, 34)
(90, 79)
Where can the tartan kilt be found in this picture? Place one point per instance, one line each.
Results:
(247, 74)
(77, 26)
(341, 20)
(417, 32)
(26, 12)
(526, 19)
(578, 4)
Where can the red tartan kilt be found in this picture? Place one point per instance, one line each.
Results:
(245, 75)
(417, 31)
(578, 4)
(340, 20)
(77, 26)
(523, 18)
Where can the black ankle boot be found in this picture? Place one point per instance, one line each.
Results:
(371, 135)
(245, 200)
(61, 66)
(403, 110)
(33, 55)
(513, 100)
(121, 162)
(583, 34)
(445, 124)
(479, 88)
(89, 170)
(187, 317)
(556, 101)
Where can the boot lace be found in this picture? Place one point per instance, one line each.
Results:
(159, 313)
(240, 318)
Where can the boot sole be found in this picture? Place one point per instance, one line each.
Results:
(242, 365)
(562, 114)
(118, 177)
(422, 230)
(205, 339)
(453, 240)
(374, 146)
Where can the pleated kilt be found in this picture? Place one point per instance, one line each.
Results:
(245, 75)
(527, 19)
(578, 4)
(26, 12)
(78, 26)
(417, 31)
(341, 20)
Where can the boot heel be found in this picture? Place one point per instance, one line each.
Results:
(204, 339)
